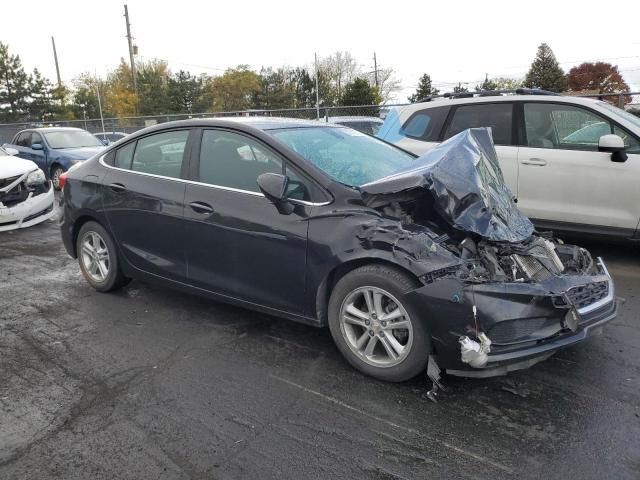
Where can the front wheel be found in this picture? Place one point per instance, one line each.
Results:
(98, 258)
(56, 171)
(374, 327)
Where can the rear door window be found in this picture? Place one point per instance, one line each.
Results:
(497, 116)
(124, 156)
(160, 154)
(426, 124)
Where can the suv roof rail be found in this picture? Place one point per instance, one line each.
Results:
(490, 93)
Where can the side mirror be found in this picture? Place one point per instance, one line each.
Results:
(11, 151)
(274, 187)
(615, 145)
(36, 146)
(105, 141)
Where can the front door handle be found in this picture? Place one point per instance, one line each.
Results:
(201, 207)
(117, 187)
(538, 162)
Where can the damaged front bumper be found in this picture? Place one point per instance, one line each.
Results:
(33, 210)
(525, 322)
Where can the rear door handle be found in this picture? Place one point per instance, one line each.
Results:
(117, 187)
(201, 207)
(539, 162)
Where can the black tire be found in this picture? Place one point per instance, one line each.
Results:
(397, 284)
(114, 277)
(56, 171)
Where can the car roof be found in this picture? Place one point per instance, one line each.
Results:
(52, 129)
(245, 123)
(355, 118)
(506, 98)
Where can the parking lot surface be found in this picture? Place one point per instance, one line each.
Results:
(152, 383)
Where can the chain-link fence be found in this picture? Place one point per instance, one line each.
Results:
(132, 124)
(628, 101)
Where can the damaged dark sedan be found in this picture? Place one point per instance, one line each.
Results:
(413, 263)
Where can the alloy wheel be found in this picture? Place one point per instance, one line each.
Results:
(95, 256)
(376, 326)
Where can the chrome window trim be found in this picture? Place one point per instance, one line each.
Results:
(218, 187)
(605, 300)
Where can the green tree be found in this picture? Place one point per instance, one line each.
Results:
(359, 92)
(277, 89)
(188, 93)
(14, 87)
(41, 105)
(153, 88)
(460, 89)
(84, 103)
(235, 89)
(545, 72)
(303, 88)
(424, 90)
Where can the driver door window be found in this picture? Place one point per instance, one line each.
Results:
(235, 161)
(565, 127)
(35, 138)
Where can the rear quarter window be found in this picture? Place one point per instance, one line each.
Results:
(426, 124)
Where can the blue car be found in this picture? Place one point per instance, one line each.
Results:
(55, 149)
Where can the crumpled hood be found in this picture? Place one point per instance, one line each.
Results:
(82, 153)
(14, 166)
(465, 180)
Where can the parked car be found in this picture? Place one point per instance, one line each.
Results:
(368, 125)
(573, 163)
(55, 149)
(26, 196)
(408, 261)
(107, 138)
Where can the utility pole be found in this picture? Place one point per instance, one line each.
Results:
(317, 92)
(55, 57)
(375, 68)
(133, 63)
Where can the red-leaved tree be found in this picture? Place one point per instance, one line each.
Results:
(598, 77)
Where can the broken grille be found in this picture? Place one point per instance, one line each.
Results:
(584, 295)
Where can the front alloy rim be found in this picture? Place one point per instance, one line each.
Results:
(376, 326)
(56, 177)
(95, 256)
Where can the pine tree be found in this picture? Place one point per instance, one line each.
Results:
(14, 86)
(545, 72)
(41, 106)
(460, 89)
(359, 92)
(424, 90)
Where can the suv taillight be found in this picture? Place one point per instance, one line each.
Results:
(63, 180)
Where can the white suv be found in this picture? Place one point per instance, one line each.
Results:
(572, 163)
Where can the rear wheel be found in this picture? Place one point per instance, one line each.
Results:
(56, 171)
(98, 258)
(375, 327)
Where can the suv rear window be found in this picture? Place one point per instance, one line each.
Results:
(426, 124)
(498, 116)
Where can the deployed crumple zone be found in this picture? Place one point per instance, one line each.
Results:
(498, 295)
(26, 197)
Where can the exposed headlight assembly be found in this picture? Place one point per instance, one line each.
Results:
(35, 178)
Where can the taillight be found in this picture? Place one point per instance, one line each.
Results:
(63, 180)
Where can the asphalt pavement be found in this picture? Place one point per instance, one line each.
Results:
(149, 383)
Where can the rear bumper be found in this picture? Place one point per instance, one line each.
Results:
(34, 210)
